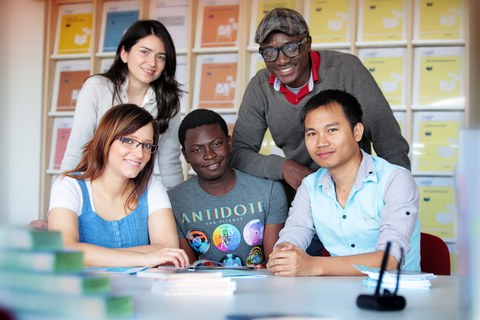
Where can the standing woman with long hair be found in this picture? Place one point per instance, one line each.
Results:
(143, 73)
(110, 206)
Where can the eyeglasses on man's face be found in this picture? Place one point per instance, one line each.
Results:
(131, 143)
(290, 49)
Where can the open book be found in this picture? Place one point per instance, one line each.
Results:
(198, 269)
(204, 264)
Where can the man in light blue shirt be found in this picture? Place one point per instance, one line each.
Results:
(355, 202)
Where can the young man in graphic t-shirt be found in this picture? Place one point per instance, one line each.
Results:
(223, 215)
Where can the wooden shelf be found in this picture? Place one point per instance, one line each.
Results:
(246, 52)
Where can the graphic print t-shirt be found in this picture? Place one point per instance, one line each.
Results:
(229, 228)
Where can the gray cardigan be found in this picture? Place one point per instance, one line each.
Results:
(263, 107)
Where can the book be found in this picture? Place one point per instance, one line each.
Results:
(391, 284)
(62, 127)
(437, 202)
(230, 119)
(329, 21)
(439, 80)
(218, 23)
(388, 67)
(105, 64)
(114, 270)
(73, 284)
(53, 261)
(62, 305)
(438, 20)
(401, 117)
(118, 16)
(408, 279)
(194, 286)
(69, 78)
(256, 64)
(216, 82)
(29, 239)
(382, 21)
(182, 78)
(74, 29)
(435, 142)
(277, 315)
(174, 15)
(39, 277)
(172, 281)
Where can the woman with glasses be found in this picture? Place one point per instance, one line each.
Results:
(142, 73)
(110, 206)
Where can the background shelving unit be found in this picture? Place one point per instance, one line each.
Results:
(343, 25)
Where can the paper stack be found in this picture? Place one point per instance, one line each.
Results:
(408, 279)
(172, 281)
(39, 277)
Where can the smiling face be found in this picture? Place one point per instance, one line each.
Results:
(330, 140)
(208, 151)
(145, 60)
(127, 162)
(295, 71)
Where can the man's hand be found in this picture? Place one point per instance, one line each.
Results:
(293, 173)
(289, 260)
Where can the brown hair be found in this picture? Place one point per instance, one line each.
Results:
(120, 120)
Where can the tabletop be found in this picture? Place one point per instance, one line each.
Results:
(328, 297)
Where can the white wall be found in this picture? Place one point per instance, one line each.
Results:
(21, 67)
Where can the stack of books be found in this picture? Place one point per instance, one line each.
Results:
(407, 280)
(39, 276)
(171, 281)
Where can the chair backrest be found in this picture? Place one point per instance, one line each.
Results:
(434, 253)
(435, 256)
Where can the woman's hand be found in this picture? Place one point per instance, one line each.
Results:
(38, 225)
(166, 256)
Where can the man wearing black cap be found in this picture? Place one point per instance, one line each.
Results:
(276, 95)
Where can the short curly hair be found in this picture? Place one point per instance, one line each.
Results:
(198, 118)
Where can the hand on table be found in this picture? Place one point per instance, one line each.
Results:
(289, 260)
(166, 256)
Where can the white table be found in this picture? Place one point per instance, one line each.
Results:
(323, 296)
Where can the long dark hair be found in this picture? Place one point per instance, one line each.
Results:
(167, 89)
(121, 120)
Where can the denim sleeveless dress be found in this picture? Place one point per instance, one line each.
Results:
(130, 231)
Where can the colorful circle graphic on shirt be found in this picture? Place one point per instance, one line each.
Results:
(198, 240)
(255, 256)
(226, 237)
(253, 233)
(231, 260)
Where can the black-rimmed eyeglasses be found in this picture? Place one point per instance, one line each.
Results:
(131, 143)
(290, 49)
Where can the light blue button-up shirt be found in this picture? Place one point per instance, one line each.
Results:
(382, 206)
